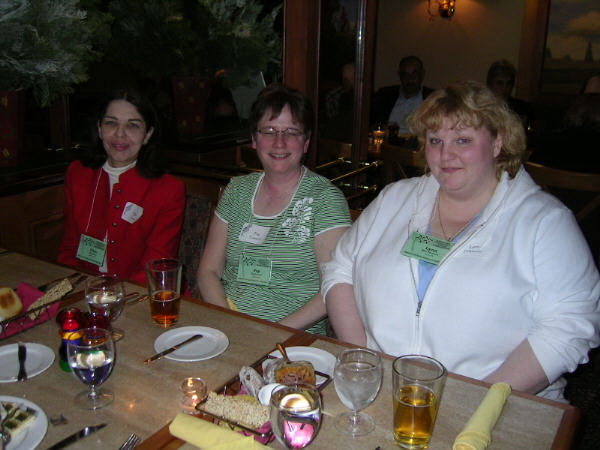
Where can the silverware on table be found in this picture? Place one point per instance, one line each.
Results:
(131, 442)
(22, 352)
(172, 349)
(77, 436)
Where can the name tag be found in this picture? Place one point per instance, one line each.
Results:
(132, 212)
(91, 250)
(426, 248)
(255, 270)
(253, 234)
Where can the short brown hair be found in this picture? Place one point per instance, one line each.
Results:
(472, 104)
(274, 98)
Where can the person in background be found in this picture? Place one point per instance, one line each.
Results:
(472, 263)
(272, 230)
(339, 108)
(393, 104)
(501, 77)
(121, 208)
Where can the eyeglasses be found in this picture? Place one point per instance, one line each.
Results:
(288, 133)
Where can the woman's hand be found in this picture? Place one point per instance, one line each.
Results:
(212, 263)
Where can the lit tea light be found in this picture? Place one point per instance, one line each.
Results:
(295, 401)
(194, 391)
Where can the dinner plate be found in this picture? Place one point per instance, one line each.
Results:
(321, 360)
(35, 432)
(39, 358)
(213, 343)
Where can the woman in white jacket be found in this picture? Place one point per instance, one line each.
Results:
(472, 263)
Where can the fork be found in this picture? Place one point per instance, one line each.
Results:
(130, 442)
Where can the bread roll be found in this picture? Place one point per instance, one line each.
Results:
(10, 303)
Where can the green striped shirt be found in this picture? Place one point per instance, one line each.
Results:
(317, 206)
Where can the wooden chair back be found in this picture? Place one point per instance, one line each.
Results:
(202, 197)
(400, 162)
(551, 178)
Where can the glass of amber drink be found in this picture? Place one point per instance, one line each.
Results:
(164, 285)
(417, 382)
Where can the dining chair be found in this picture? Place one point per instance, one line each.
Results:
(400, 162)
(201, 201)
(550, 178)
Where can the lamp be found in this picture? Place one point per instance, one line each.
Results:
(446, 8)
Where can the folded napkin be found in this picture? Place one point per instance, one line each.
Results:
(206, 435)
(28, 295)
(477, 433)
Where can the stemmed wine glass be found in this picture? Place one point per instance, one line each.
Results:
(105, 295)
(92, 358)
(357, 377)
(295, 414)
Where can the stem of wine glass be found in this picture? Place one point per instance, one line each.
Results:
(92, 394)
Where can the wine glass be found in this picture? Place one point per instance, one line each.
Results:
(92, 358)
(105, 295)
(357, 377)
(295, 414)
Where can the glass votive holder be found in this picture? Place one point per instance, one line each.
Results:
(193, 390)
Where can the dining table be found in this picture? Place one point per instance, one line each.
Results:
(147, 396)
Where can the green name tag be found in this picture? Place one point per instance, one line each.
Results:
(254, 270)
(426, 248)
(91, 250)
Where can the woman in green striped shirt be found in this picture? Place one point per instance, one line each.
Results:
(272, 230)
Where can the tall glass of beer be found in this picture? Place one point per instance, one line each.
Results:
(164, 285)
(417, 382)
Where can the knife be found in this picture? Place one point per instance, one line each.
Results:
(172, 349)
(76, 436)
(22, 352)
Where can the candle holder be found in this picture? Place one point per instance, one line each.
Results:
(194, 391)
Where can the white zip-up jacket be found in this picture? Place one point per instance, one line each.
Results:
(524, 270)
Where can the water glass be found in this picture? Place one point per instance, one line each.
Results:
(357, 376)
(417, 383)
(164, 285)
(105, 295)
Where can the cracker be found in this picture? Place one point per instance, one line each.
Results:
(54, 293)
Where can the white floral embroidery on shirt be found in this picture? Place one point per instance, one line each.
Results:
(295, 227)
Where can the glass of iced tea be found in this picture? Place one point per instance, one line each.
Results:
(417, 382)
(164, 285)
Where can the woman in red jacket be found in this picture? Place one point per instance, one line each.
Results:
(121, 209)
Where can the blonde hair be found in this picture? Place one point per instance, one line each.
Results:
(472, 104)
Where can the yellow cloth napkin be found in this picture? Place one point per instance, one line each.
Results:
(476, 435)
(232, 304)
(208, 436)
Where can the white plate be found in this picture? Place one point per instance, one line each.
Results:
(321, 360)
(35, 432)
(213, 343)
(39, 358)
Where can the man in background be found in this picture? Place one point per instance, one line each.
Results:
(393, 104)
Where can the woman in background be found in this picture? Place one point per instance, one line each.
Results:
(272, 230)
(121, 209)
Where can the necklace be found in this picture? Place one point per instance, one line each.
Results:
(446, 236)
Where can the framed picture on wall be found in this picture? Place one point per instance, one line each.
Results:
(572, 48)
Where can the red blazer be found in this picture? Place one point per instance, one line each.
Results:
(154, 235)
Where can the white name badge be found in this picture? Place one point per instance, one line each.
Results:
(254, 234)
(132, 212)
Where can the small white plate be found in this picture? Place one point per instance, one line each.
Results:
(213, 343)
(39, 358)
(321, 360)
(35, 432)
